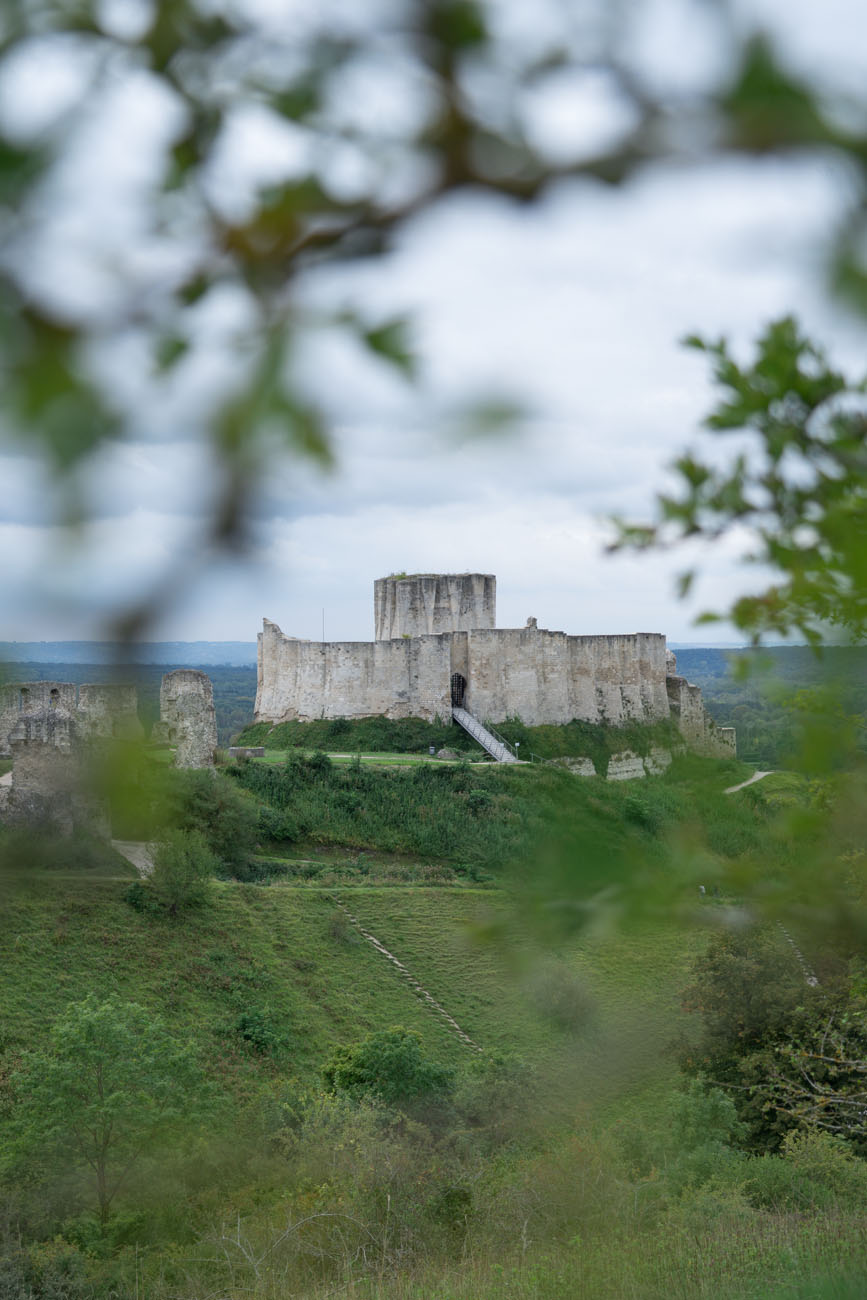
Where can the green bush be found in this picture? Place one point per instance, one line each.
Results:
(438, 811)
(275, 825)
(814, 1169)
(209, 804)
(257, 1027)
(142, 898)
(183, 869)
(389, 1066)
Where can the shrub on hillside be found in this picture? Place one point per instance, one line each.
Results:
(183, 869)
(257, 1027)
(272, 824)
(108, 1087)
(792, 1054)
(814, 1169)
(391, 1067)
(209, 804)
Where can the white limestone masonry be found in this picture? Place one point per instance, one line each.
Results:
(437, 647)
(425, 604)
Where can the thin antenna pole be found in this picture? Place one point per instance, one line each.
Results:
(323, 624)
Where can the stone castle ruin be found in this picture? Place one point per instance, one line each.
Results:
(97, 711)
(438, 653)
(188, 719)
(52, 731)
(55, 732)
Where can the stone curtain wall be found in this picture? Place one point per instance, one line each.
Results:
(427, 604)
(550, 678)
(109, 711)
(352, 679)
(542, 677)
(430, 626)
(696, 726)
(51, 782)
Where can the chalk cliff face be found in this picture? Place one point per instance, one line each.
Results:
(436, 645)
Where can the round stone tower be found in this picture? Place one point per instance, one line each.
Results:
(425, 604)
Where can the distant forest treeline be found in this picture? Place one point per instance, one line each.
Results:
(760, 705)
(168, 654)
(760, 692)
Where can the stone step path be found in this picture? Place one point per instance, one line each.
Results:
(6, 779)
(497, 748)
(417, 987)
(809, 974)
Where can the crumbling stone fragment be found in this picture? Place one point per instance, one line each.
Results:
(188, 719)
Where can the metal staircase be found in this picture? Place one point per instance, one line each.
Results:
(498, 748)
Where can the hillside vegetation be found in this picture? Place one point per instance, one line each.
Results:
(530, 1099)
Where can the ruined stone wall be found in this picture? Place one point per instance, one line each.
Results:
(306, 680)
(433, 627)
(188, 719)
(696, 726)
(100, 711)
(427, 604)
(19, 698)
(550, 678)
(109, 710)
(51, 781)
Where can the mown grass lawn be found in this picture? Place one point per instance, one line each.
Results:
(375, 759)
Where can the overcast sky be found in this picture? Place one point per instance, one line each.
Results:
(573, 308)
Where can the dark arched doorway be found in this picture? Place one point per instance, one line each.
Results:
(459, 686)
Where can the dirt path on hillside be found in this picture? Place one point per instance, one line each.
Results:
(756, 776)
(138, 852)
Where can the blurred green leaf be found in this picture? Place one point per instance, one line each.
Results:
(457, 24)
(767, 108)
(171, 348)
(391, 342)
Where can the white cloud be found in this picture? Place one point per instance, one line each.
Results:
(574, 307)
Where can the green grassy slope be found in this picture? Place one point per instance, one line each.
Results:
(266, 949)
(551, 958)
(285, 952)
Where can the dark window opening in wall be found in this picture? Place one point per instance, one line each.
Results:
(459, 686)
(23, 698)
(54, 697)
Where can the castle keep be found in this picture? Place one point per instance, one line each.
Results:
(438, 653)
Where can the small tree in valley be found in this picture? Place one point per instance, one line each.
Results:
(111, 1084)
(183, 868)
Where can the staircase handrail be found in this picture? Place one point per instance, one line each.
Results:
(480, 727)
